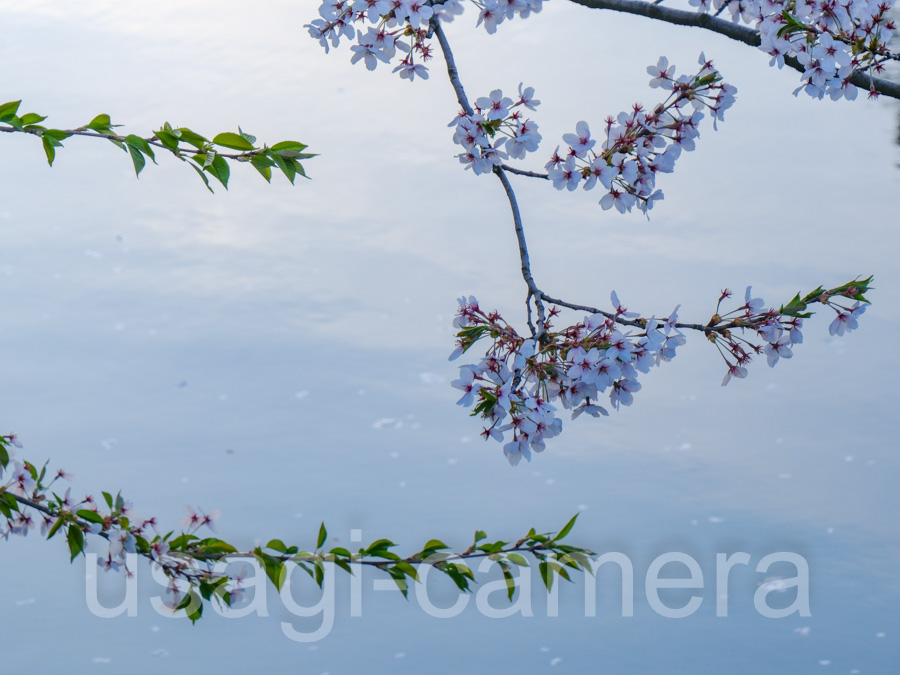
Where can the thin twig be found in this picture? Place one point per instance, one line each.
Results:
(523, 172)
(533, 291)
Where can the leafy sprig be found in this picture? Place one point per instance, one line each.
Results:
(189, 560)
(205, 156)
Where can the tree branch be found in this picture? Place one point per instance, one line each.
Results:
(205, 156)
(728, 29)
(533, 290)
(523, 172)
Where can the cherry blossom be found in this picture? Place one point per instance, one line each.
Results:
(521, 381)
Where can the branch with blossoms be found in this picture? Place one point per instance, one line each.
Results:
(837, 46)
(189, 561)
(515, 384)
(203, 155)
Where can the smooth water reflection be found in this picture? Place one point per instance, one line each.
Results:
(280, 353)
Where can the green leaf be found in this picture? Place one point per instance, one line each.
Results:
(49, 149)
(181, 542)
(792, 25)
(275, 570)
(290, 146)
(458, 572)
(287, 167)
(90, 516)
(407, 569)
(517, 559)
(55, 527)
(190, 137)
(510, 584)
(379, 545)
(203, 176)
(263, 165)
(323, 535)
(192, 599)
(233, 141)
(277, 545)
(31, 118)
(217, 167)
(55, 135)
(400, 579)
(137, 158)
(213, 545)
(100, 123)
(9, 110)
(546, 575)
(167, 139)
(75, 537)
(250, 138)
(108, 498)
(566, 529)
(4, 455)
(141, 144)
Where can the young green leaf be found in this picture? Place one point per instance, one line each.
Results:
(233, 141)
(75, 538)
(31, 118)
(9, 110)
(90, 516)
(566, 529)
(49, 148)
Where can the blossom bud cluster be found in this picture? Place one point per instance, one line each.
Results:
(496, 130)
(514, 387)
(639, 144)
(832, 39)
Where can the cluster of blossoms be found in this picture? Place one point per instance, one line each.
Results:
(640, 143)
(496, 130)
(832, 39)
(515, 385)
(382, 27)
(390, 26)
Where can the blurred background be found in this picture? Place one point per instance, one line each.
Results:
(280, 353)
